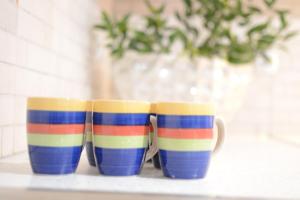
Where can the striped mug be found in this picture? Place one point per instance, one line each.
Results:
(55, 137)
(120, 136)
(184, 137)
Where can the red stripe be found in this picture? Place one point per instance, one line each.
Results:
(185, 133)
(120, 130)
(56, 128)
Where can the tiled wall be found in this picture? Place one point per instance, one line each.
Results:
(44, 51)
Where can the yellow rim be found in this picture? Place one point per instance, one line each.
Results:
(152, 110)
(56, 104)
(174, 108)
(121, 106)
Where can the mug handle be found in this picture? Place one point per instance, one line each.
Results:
(221, 134)
(153, 148)
(85, 130)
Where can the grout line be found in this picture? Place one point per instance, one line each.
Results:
(50, 49)
(70, 18)
(85, 83)
(80, 44)
(52, 27)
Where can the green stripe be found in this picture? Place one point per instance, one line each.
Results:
(55, 140)
(89, 136)
(185, 144)
(123, 142)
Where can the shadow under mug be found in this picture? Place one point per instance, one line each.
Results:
(120, 136)
(55, 134)
(184, 138)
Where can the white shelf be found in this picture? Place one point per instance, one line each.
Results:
(244, 168)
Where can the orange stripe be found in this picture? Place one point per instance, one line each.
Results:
(120, 130)
(56, 128)
(185, 133)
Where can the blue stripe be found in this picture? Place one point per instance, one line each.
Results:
(121, 119)
(54, 160)
(185, 165)
(179, 121)
(119, 162)
(90, 153)
(55, 117)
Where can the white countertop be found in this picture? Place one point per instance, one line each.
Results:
(244, 168)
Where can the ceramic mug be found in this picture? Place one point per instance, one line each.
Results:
(88, 133)
(120, 136)
(55, 134)
(184, 137)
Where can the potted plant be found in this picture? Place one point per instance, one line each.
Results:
(196, 53)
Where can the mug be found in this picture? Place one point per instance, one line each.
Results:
(55, 129)
(88, 134)
(184, 134)
(120, 136)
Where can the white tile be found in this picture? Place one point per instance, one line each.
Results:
(27, 82)
(64, 6)
(41, 59)
(20, 139)
(7, 140)
(7, 110)
(22, 52)
(7, 78)
(7, 47)
(0, 142)
(31, 28)
(40, 9)
(48, 86)
(20, 110)
(8, 16)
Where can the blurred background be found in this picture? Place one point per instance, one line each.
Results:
(51, 48)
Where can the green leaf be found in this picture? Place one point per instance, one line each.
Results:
(239, 8)
(188, 3)
(283, 21)
(108, 24)
(117, 52)
(188, 7)
(254, 9)
(265, 42)
(153, 9)
(270, 3)
(100, 26)
(290, 35)
(258, 28)
(122, 24)
(240, 53)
